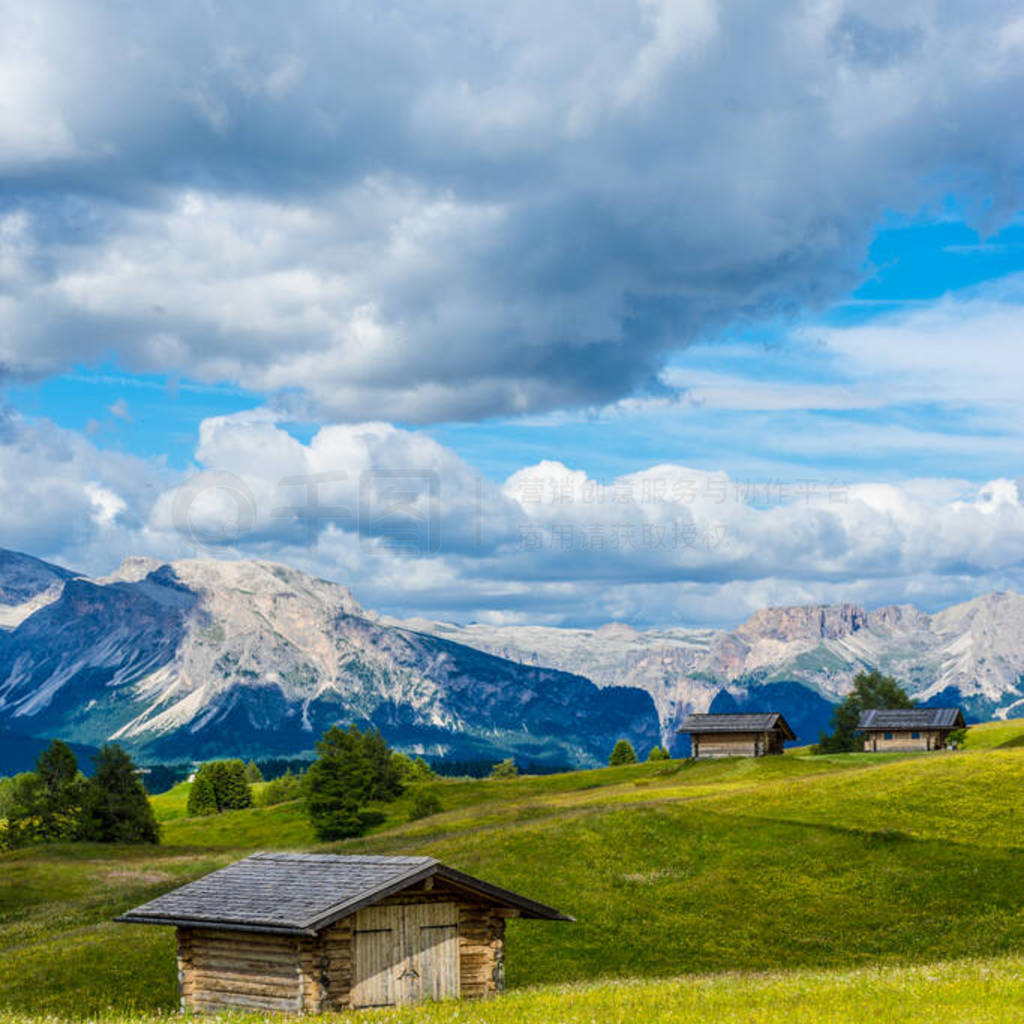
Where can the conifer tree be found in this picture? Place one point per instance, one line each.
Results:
(201, 797)
(339, 782)
(386, 783)
(23, 821)
(57, 797)
(253, 773)
(870, 690)
(622, 753)
(226, 781)
(232, 787)
(116, 808)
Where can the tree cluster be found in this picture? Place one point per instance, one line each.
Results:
(351, 770)
(220, 786)
(870, 690)
(57, 803)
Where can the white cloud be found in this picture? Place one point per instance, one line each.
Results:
(432, 212)
(119, 409)
(69, 501)
(106, 505)
(414, 529)
(966, 348)
(33, 125)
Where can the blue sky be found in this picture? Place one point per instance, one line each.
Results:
(580, 278)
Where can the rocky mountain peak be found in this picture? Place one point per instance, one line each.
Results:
(804, 622)
(897, 617)
(620, 630)
(132, 569)
(26, 585)
(23, 577)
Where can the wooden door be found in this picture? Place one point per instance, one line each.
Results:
(406, 953)
(376, 936)
(434, 927)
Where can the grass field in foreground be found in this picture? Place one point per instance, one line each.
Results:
(812, 866)
(974, 991)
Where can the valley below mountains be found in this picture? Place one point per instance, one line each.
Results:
(204, 658)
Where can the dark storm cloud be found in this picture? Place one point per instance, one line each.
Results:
(426, 211)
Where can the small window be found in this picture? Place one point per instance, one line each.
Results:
(915, 735)
(888, 735)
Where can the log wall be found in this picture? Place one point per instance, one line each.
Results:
(927, 739)
(729, 744)
(481, 950)
(219, 969)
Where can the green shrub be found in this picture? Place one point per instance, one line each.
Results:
(507, 769)
(622, 753)
(657, 754)
(424, 804)
(45, 805)
(282, 789)
(412, 769)
(957, 739)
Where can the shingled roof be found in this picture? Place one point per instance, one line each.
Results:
(301, 893)
(761, 722)
(879, 719)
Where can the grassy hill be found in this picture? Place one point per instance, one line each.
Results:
(850, 887)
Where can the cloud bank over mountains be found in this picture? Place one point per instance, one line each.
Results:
(414, 529)
(420, 213)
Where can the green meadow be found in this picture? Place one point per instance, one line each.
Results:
(799, 888)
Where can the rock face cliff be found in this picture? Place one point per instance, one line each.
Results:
(205, 658)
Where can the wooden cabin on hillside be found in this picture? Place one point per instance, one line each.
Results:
(748, 735)
(904, 729)
(317, 932)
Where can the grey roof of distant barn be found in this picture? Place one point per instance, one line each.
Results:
(877, 719)
(301, 893)
(761, 722)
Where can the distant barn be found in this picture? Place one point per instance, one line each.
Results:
(287, 931)
(753, 735)
(903, 729)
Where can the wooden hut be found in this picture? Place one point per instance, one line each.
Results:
(753, 735)
(901, 729)
(316, 932)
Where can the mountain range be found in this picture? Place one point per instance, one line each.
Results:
(199, 659)
(800, 660)
(202, 658)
